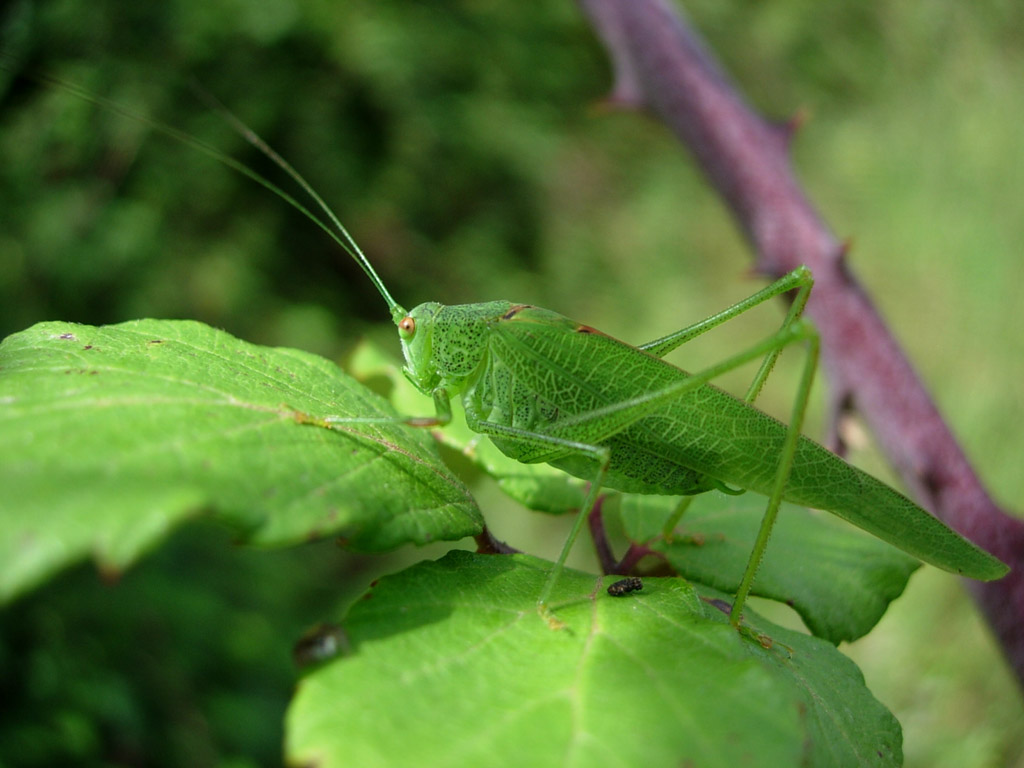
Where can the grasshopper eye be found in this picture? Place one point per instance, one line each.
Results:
(407, 328)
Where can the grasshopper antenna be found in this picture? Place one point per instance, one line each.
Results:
(335, 230)
(346, 241)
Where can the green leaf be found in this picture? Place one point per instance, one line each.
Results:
(839, 579)
(465, 672)
(111, 436)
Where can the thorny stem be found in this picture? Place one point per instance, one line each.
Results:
(661, 65)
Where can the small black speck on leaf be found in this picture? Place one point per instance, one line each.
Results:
(625, 586)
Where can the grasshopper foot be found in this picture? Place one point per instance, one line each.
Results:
(765, 641)
(548, 615)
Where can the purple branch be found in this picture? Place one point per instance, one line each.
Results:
(601, 544)
(661, 65)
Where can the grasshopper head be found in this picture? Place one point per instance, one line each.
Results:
(416, 331)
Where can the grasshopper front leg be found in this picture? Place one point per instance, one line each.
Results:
(442, 415)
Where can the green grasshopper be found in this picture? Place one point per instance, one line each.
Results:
(545, 388)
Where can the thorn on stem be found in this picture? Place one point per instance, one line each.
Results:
(838, 413)
(841, 259)
(787, 129)
(618, 100)
(844, 250)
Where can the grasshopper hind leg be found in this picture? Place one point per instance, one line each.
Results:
(802, 281)
(782, 472)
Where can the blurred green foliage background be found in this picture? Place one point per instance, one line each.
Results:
(464, 146)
